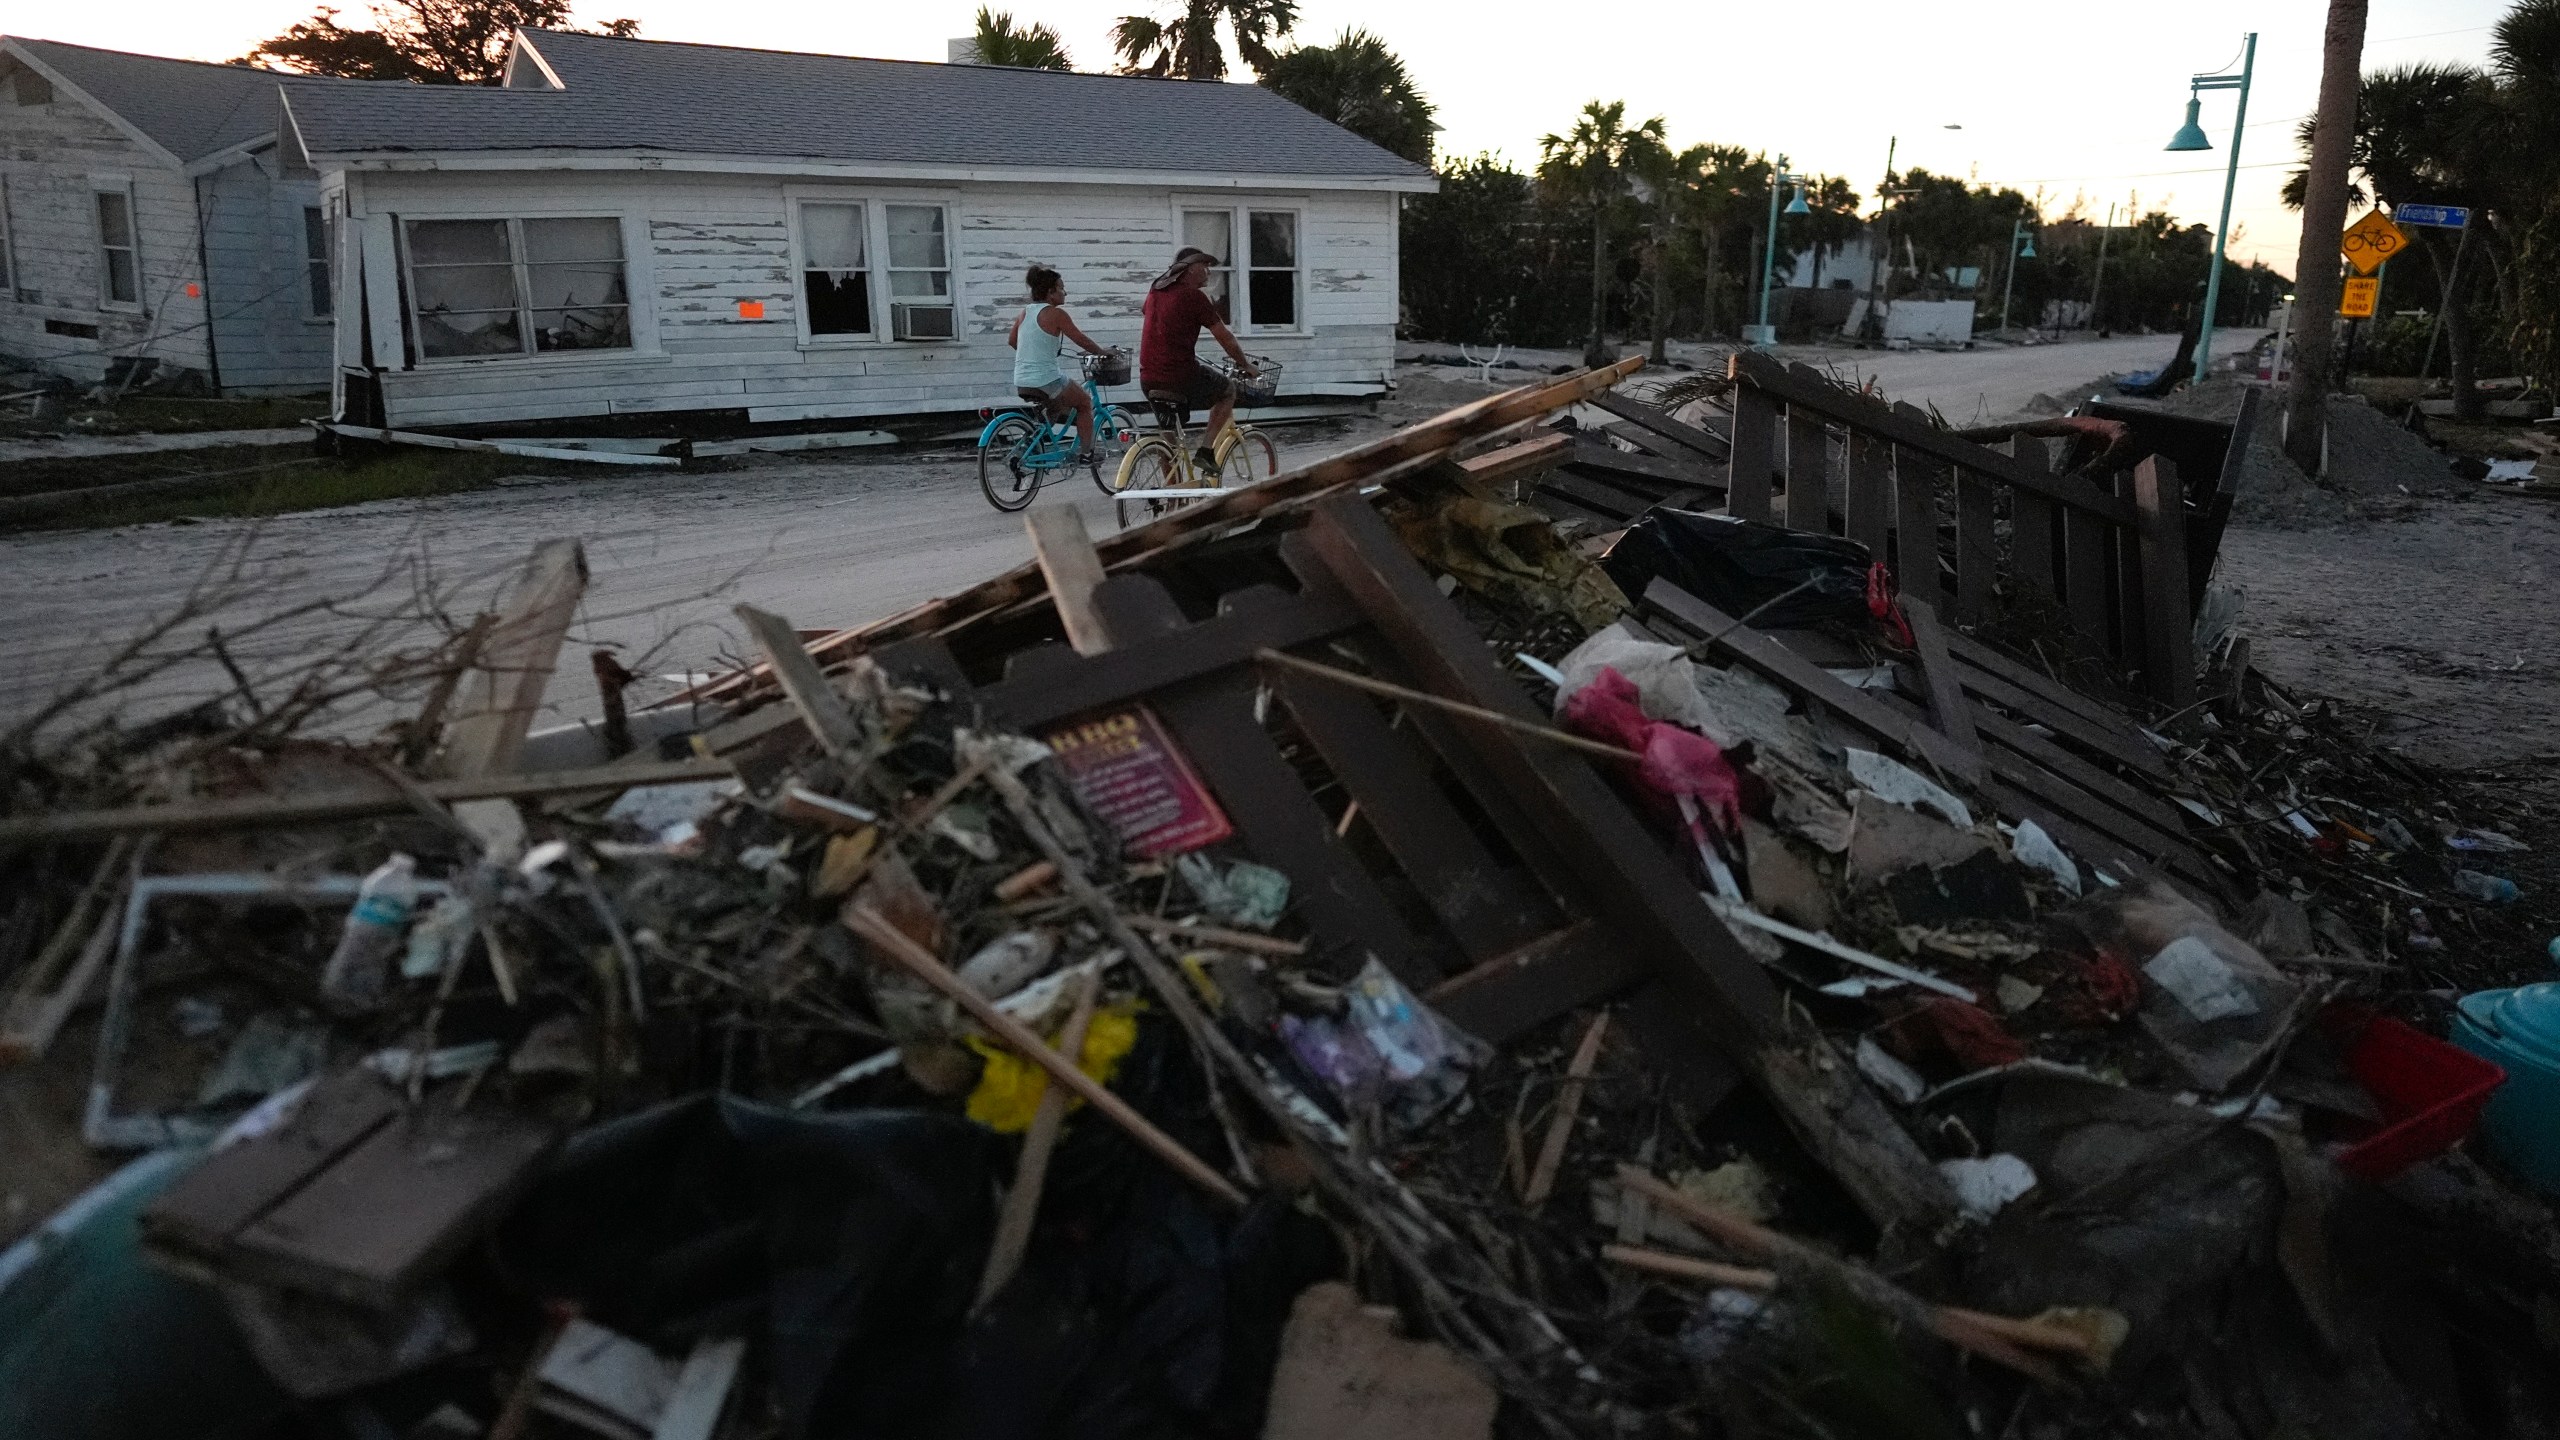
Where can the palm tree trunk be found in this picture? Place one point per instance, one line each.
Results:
(1595, 352)
(1709, 328)
(2316, 281)
(1661, 305)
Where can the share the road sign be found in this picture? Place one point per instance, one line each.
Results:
(2449, 217)
(2356, 301)
(2372, 240)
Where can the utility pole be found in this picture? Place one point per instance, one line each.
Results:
(1880, 243)
(2100, 279)
(2316, 281)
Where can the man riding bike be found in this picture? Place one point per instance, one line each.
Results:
(1178, 308)
(1037, 376)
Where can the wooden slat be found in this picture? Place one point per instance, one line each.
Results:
(2034, 524)
(2118, 742)
(821, 708)
(1977, 547)
(2044, 687)
(1700, 446)
(2124, 796)
(502, 691)
(1029, 701)
(2204, 537)
(1755, 444)
(2169, 655)
(1794, 672)
(1634, 884)
(1064, 551)
(1870, 512)
(1592, 456)
(1808, 466)
(1539, 452)
(1523, 988)
(1949, 710)
(1918, 479)
(232, 1187)
(1280, 824)
(1598, 496)
(2126, 605)
(1797, 385)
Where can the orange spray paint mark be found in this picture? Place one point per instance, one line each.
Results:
(750, 309)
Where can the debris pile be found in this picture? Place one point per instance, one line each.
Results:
(1317, 964)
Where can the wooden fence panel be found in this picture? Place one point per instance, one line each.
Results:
(1755, 444)
(1977, 546)
(1808, 464)
(1870, 509)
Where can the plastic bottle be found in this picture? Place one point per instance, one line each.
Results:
(359, 970)
(2494, 889)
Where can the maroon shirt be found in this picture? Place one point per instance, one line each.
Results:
(1174, 319)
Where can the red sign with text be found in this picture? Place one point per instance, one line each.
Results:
(1126, 770)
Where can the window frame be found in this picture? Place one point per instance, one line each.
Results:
(636, 281)
(8, 246)
(322, 267)
(875, 202)
(120, 186)
(1239, 268)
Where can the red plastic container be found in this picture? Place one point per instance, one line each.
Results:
(2431, 1093)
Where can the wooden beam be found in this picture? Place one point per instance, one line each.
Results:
(1065, 553)
(1704, 447)
(2168, 627)
(1539, 452)
(811, 694)
(1948, 709)
(502, 691)
(1056, 692)
(1592, 455)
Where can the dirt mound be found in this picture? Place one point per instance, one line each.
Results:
(2375, 465)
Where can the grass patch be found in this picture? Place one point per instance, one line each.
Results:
(304, 484)
(170, 415)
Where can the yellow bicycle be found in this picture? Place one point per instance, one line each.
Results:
(1158, 471)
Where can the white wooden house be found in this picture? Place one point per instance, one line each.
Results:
(747, 237)
(144, 213)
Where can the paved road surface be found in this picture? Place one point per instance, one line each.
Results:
(824, 543)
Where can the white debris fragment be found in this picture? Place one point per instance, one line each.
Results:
(1985, 1187)
(1889, 779)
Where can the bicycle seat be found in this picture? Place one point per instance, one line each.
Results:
(1170, 407)
(1054, 409)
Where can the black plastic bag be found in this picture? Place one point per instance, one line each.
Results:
(1739, 565)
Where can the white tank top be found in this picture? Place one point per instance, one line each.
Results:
(1035, 351)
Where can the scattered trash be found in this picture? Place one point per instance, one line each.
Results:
(1890, 779)
(2200, 980)
(359, 970)
(2488, 889)
(1984, 1187)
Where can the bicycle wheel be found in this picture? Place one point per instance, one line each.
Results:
(1246, 457)
(1009, 483)
(1112, 430)
(1151, 464)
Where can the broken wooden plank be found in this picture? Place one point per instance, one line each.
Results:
(2047, 690)
(2034, 525)
(1613, 503)
(1948, 708)
(1577, 1078)
(53, 984)
(1099, 680)
(811, 694)
(1977, 547)
(502, 691)
(1031, 1169)
(1067, 560)
(1702, 446)
(2169, 651)
(1808, 472)
(1539, 452)
(1794, 672)
(1513, 993)
(1869, 517)
(1629, 469)
(1917, 480)
(1753, 465)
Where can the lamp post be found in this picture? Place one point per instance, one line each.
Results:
(1764, 334)
(2191, 136)
(2018, 231)
(1880, 250)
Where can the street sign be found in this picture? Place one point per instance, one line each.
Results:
(2372, 240)
(2357, 300)
(2449, 217)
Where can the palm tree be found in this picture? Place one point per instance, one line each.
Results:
(1587, 166)
(1020, 47)
(1721, 189)
(1185, 44)
(2316, 282)
(1358, 83)
(1655, 171)
(2526, 53)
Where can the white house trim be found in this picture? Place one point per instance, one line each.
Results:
(891, 171)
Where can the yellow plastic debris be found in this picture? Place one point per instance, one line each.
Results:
(1010, 1087)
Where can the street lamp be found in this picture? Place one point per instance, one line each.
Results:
(1765, 334)
(2191, 136)
(2022, 246)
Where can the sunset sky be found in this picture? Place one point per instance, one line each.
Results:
(2073, 104)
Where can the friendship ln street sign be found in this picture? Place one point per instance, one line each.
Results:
(2449, 217)
(2372, 240)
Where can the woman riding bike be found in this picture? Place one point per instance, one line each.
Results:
(1036, 373)
(1178, 308)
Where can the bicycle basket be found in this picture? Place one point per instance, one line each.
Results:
(1111, 369)
(1257, 389)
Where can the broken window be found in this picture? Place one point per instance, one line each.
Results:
(517, 287)
(119, 256)
(1261, 288)
(315, 253)
(1273, 282)
(1214, 231)
(835, 275)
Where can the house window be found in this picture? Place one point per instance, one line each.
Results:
(516, 287)
(857, 257)
(1271, 296)
(322, 298)
(835, 278)
(119, 258)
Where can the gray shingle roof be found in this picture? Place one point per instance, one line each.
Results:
(189, 108)
(653, 96)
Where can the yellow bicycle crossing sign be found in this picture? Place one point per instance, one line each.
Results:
(2372, 240)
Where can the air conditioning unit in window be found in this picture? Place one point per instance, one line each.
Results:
(923, 322)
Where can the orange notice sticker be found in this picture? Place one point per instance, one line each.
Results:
(750, 309)
(192, 291)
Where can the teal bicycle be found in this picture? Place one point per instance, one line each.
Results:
(1021, 450)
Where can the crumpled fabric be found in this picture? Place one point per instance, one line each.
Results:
(1010, 1087)
(1676, 762)
(1509, 554)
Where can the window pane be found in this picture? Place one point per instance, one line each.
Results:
(438, 288)
(315, 233)
(457, 332)
(595, 283)
(596, 327)
(122, 287)
(1275, 238)
(458, 242)
(1210, 230)
(915, 237)
(581, 239)
(115, 219)
(831, 237)
(919, 284)
(323, 294)
(839, 302)
(1275, 299)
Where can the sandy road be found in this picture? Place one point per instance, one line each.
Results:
(823, 542)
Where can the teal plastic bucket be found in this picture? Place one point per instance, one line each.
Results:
(2519, 1030)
